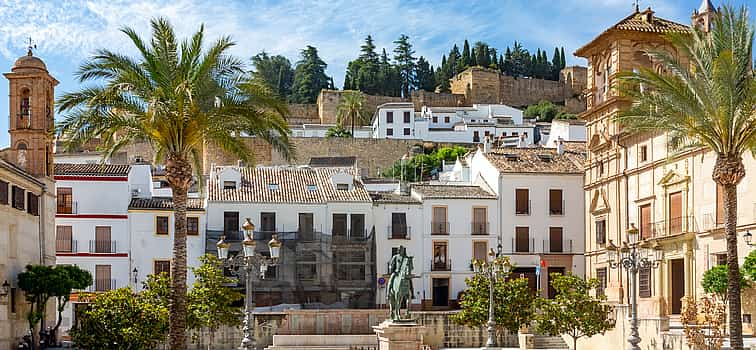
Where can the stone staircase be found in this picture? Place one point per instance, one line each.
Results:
(549, 342)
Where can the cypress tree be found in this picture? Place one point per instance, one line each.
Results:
(473, 60)
(466, 56)
(562, 60)
(454, 61)
(493, 57)
(502, 65)
(424, 74)
(405, 64)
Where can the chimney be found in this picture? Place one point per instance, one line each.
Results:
(560, 146)
(487, 144)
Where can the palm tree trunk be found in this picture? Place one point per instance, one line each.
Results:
(728, 172)
(178, 172)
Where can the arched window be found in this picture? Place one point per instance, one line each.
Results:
(21, 146)
(24, 109)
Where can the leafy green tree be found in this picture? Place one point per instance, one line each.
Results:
(363, 73)
(573, 311)
(705, 102)
(120, 320)
(749, 266)
(544, 111)
(514, 303)
(351, 109)
(273, 71)
(70, 278)
(211, 300)
(388, 75)
(337, 131)
(405, 64)
(177, 95)
(39, 283)
(520, 61)
(453, 60)
(425, 77)
(715, 281)
(423, 166)
(309, 77)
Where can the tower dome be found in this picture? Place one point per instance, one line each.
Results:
(28, 62)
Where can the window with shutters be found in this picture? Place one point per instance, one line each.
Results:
(3, 192)
(480, 221)
(398, 226)
(267, 222)
(306, 227)
(192, 226)
(102, 242)
(65, 200)
(103, 282)
(64, 239)
(357, 226)
(601, 276)
(675, 213)
(556, 203)
(439, 225)
(522, 239)
(161, 225)
(720, 205)
(601, 231)
(645, 221)
(32, 206)
(522, 201)
(644, 282)
(161, 266)
(556, 245)
(480, 250)
(18, 198)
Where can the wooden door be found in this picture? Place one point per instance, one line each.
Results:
(522, 239)
(645, 221)
(480, 250)
(102, 278)
(677, 274)
(480, 221)
(555, 240)
(440, 292)
(306, 226)
(268, 222)
(103, 244)
(555, 202)
(675, 213)
(439, 221)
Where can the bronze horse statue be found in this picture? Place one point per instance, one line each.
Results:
(400, 285)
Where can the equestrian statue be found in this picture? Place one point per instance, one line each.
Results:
(400, 289)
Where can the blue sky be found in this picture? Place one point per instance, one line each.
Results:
(66, 32)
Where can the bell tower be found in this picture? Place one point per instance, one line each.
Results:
(704, 16)
(31, 94)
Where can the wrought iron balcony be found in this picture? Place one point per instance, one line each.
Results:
(399, 232)
(439, 228)
(102, 246)
(479, 228)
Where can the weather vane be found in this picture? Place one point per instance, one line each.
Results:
(32, 46)
(637, 5)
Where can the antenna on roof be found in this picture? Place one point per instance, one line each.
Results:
(31, 46)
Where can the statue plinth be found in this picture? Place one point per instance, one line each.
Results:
(399, 335)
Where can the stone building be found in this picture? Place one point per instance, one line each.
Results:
(27, 198)
(635, 179)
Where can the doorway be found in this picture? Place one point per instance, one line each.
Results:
(440, 292)
(677, 274)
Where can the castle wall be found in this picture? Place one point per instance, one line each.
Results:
(303, 114)
(328, 103)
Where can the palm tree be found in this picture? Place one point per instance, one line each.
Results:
(351, 108)
(178, 96)
(337, 131)
(707, 103)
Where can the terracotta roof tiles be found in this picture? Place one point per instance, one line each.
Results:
(451, 191)
(84, 169)
(159, 203)
(539, 160)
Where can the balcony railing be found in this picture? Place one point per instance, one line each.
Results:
(521, 209)
(352, 236)
(557, 246)
(66, 246)
(73, 209)
(556, 211)
(523, 247)
(443, 264)
(439, 228)
(673, 226)
(479, 228)
(399, 232)
(103, 285)
(102, 246)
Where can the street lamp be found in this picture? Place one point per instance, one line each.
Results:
(248, 262)
(498, 267)
(748, 237)
(136, 279)
(633, 257)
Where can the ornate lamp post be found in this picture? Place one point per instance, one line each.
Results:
(497, 267)
(633, 257)
(247, 262)
(748, 237)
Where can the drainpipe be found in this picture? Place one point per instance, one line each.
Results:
(42, 217)
(627, 202)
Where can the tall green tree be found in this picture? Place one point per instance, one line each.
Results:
(70, 278)
(351, 109)
(710, 104)
(274, 71)
(453, 61)
(309, 77)
(425, 77)
(466, 58)
(211, 300)
(388, 75)
(562, 59)
(573, 311)
(715, 281)
(363, 73)
(39, 283)
(556, 65)
(405, 64)
(177, 95)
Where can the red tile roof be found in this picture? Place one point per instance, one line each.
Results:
(84, 169)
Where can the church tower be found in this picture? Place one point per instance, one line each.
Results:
(31, 94)
(704, 16)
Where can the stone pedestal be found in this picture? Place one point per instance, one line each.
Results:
(404, 335)
(526, 340)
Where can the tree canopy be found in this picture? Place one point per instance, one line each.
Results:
(422, 167)
(309, 77)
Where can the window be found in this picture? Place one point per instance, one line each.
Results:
(64, 239)
(306, 226)
(601, 168)
(446, 120)
(643, 153)
(307, 268)
(522, 239)
(601, 231)
(161, 266)
(556, 203)
(645, 221)
(480, 250)
(389, 117)
(312, 188)
(644, 282)
(440, 258)
(65, 200)
(439, 224)
(351, 266)
(229, 185)
(406, 131)
(398, 228)
(406, 117)
(555, 240)
(476, 136)
(13, 300)
(721, 259)
(357, 226)
(3, 192)
(103, 282)
(33, 204)
(342, 187)
(231, 224)
(268, 222)
(601, 276)
(522, 201)
(273, 187)
(18, 198)
(675, 213)
(102, 242)
(434, 119)
(480, 221)
(389, 132)
(339, 224)
(161, 225)
(720, 205)
(192, 226)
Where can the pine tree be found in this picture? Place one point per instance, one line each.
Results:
(405, 64)
(388, 77)
(493, 58)
(309, 77)
(273, 71)
(481, 54)
(502, 63)
(425, 79)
